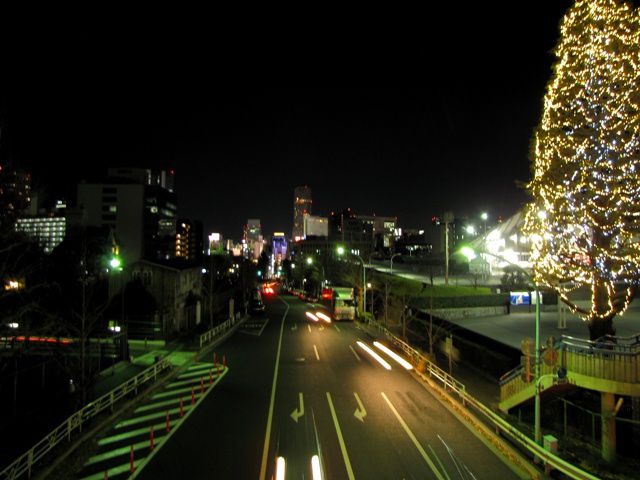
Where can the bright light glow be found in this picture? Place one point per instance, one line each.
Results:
(280, 466)
(374, 355)
(316, 473)
(393, 355)
(204, 270)
(368, 285)
(309, 260)
(115, 262)
(324, 317)
(311, 316)
(471, 230)
(340, 250)
(13, 325)
(484, 216)
(468, 252)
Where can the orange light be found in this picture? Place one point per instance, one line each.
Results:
(324, 317)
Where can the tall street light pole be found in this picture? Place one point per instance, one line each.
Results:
(471, 254)
(392, 257)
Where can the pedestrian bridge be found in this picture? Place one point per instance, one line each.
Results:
(609, 365)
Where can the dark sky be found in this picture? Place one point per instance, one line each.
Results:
(458, 140)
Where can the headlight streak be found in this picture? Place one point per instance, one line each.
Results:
(393, 355)
(374, 355)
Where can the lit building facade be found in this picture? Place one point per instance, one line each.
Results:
(47, 230)
(216, 244)
(301, 206)
(253, 238)
(189, 240)
(316, 226)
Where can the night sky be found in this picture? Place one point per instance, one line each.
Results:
(457, 141)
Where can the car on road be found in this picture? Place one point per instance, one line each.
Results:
(256, 306)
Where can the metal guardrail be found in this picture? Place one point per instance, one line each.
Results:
(537, 451)
(216, 331)
(25, 463)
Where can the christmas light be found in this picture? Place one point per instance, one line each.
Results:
(585, 154)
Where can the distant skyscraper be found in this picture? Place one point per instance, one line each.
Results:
(15, 194)
(253, 237)
(301, 207)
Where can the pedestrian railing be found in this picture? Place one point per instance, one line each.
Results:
(216, 332)
(612, 359)
(24, 464)
(493, 419)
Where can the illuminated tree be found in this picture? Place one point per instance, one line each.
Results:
(584, 219)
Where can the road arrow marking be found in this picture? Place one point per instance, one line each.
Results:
(295, 327)
(298, 412)
(360, 412)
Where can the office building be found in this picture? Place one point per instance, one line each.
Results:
(189, 241)
(316, 226)
(253, 238)
(15, 194)
(47, 230)
(382, 229)
(301, 206)
(216, 244)
(140, 212)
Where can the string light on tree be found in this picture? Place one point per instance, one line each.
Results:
(586, 155)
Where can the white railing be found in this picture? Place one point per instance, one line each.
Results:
(217, 331)
(451, 384)
(25, 463)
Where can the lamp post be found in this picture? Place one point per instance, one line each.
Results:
(116, 264)
(392, 257)
(484, 216)
(471, 254)
(341, 251)
(310, 262)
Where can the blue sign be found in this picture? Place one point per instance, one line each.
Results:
(520, 298)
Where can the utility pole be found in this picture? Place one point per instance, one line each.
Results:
(448, 218)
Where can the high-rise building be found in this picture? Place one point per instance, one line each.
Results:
(15, 194)
(353, 232)
(47, 230)
(279, 248)
(253, 237)
(189, 240)
(140, 212)
(301, 207)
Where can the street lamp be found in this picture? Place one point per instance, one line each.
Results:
(484, 218)
(341, 251)
(116, 264)
(471, 254)
(392, 257)
(310, 262)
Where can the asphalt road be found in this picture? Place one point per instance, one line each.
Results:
(332, 399)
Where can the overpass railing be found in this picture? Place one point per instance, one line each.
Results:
(24, 464)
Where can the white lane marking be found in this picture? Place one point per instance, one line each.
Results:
(413, 438)
(315, 349)
(343, 447)
(355, 353)
(360, 412)
(267, 435)
(309, 327)
(336, 327)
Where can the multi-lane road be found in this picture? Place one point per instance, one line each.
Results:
(298, 389)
